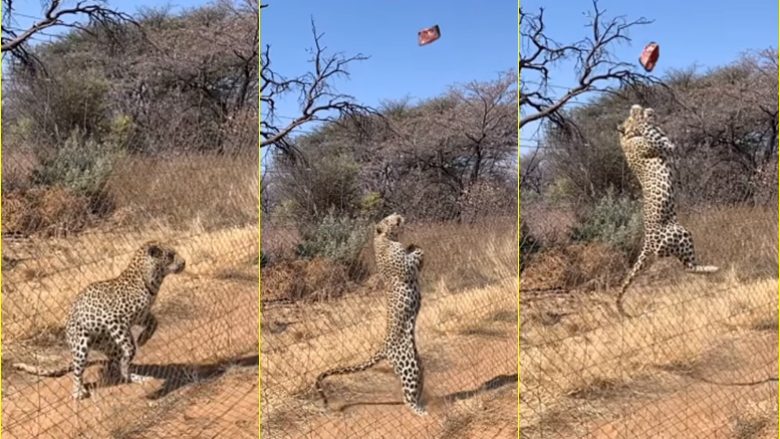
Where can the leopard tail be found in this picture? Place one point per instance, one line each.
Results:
(376, 358)
(40, 371)
(52, 373)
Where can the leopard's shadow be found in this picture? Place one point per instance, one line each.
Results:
(494, 383)
(178, 375)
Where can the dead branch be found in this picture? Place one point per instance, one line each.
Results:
(318, 99)
(594, 64)
(15, 41)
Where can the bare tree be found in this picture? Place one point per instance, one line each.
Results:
(595, 67)
(319, 101)
(724, 122)
(84, 15)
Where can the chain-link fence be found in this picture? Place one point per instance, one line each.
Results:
(109, 143)
(697, 355)
(318, 314)
(334, 167)
(203, 357)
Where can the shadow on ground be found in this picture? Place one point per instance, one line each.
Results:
(176, 376)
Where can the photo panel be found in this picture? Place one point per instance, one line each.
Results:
(648, 220)
(130, 180)
(389, 220)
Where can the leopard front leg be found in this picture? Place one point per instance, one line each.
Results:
(79, 346)
(414, 256)
(149, 322)
(117, 351)
(124, 339)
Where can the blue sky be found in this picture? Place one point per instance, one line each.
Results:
(478, 41)
(706, 34)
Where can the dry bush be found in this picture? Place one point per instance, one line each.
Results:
(45, 210)
(719, 235)
(461, 256)
(466, 256)
(742, 237)
(315, 279)
(574, 266)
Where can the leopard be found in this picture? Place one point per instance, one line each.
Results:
(399, 266)
(647, 151)
(102, 315)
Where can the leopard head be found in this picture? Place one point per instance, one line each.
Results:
(154, 260)
(631, 126)
(390, 226)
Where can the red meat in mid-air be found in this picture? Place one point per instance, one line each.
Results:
(428, 35)
(650, 56)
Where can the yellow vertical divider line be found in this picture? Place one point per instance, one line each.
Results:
(517, 232)
(259, 230)
(1, 225)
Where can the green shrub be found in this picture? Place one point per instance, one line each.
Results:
(616, 221)
(81, 164)
(338, 238)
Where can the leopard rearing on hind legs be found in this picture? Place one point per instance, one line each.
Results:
(400, 268)
(647, 150)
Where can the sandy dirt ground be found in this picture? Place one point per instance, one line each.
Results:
(712, 400)
(203, 358)
(699, 361)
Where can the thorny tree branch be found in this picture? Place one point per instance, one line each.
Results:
(318, 100)
(14, 41)
(595, 66)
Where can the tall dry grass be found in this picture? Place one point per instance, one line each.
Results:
(189, 190)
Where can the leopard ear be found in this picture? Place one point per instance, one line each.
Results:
(378, 229)
(154, 251)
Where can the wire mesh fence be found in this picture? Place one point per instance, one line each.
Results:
(697, 354)
(318, 314)
(103, 151)
(203, 357)
(333, 168)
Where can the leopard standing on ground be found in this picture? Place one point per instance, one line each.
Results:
(647, 151)
(399, 267)
(103, 314)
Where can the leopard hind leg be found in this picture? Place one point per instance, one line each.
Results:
(408, 368)
(678, 242)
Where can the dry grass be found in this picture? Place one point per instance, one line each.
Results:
(604, 358)
(171, 193)
(578, 358)
(317, 279)
(188, 191)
